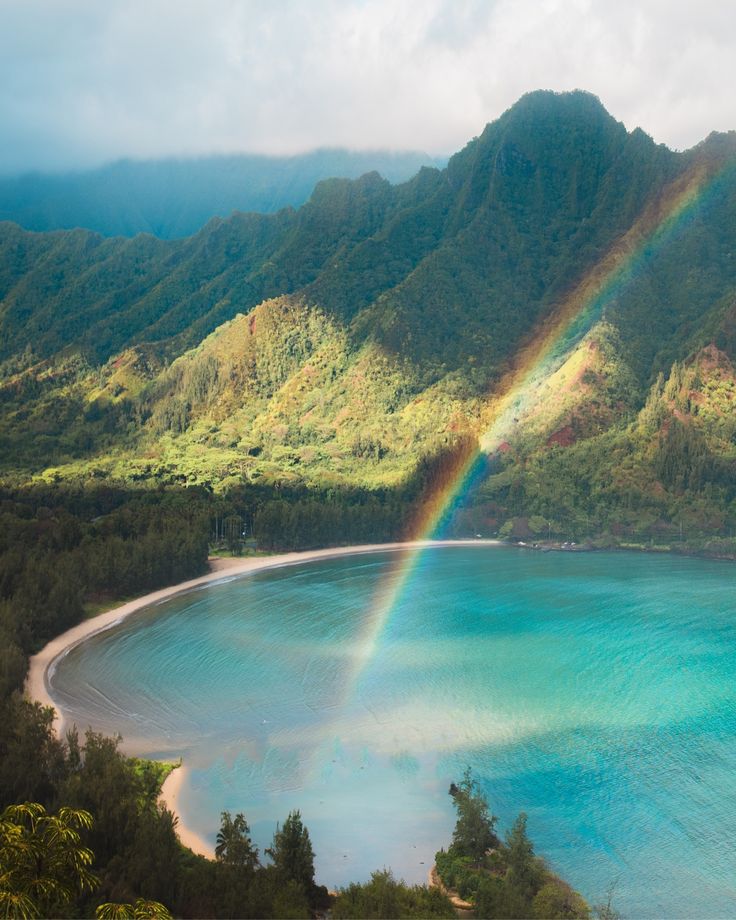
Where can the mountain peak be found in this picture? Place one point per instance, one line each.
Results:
(548, 100)
(545, 111)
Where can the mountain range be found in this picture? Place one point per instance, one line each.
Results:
(352, 341)
(173, 198)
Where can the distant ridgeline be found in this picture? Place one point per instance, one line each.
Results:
(562, 276)
(173, 198)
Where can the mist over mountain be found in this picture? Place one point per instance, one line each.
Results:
(172, 198)
(353, 340)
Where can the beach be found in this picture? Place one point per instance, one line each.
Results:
(42, 664)
(170, 798)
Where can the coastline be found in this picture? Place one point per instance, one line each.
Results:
(43, 662)
(169, 797)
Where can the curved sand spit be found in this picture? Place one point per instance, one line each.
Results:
(37, 684)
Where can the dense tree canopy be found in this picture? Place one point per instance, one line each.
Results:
(501, 880)
(44, 865)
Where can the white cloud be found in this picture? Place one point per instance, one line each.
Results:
(83, 81)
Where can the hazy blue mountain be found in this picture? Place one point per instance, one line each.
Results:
(172, 198)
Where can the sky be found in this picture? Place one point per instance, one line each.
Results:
(88, 81)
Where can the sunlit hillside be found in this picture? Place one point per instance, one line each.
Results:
(344, 344)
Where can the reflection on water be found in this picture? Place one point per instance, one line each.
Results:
(595, 692)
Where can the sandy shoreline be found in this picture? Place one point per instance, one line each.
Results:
(43, 663)
(170, 798)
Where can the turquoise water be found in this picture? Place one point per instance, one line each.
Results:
(594, 691)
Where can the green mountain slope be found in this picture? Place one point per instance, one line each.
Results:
(348, 342)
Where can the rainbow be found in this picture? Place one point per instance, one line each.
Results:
(519, 389)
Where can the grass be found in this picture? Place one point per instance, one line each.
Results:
(152, 774)
(93, 608)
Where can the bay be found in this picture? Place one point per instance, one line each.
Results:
(595, 691)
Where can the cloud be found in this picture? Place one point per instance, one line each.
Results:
(82, 81)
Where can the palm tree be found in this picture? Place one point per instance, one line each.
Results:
(43, 864)
(234, 846)
(140, 910)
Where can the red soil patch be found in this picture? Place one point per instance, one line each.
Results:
(564, 437)
(710, 358)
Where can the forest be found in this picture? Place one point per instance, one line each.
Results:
(329, 353)
(324, 376)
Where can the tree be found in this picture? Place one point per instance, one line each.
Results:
(31, 757)
(139, 910)
(494, 898)
(43, 864)
(292, 853)
(234, 846)
(474, 831)
(524, 875)
(556, 900)
(384, 898)
(106, 785)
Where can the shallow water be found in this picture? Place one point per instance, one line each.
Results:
(594, 691)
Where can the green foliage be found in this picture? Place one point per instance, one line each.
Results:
(139, 910)
(292, 854)
(319, 377)
(140, 864)
(58, 548)
(151, 774)
(457, 872)
(139, 860)
(556, 900)
(234, 846)
(501, 880)
(506, 530)
(666, 476)
(108, 785)
(683, 460)
(356, 338)
(508, 227)
(494, 898)
(32, 759)
(523, 875)
(13, 662)
(43, 864)
(474, 831)
(384, 897)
